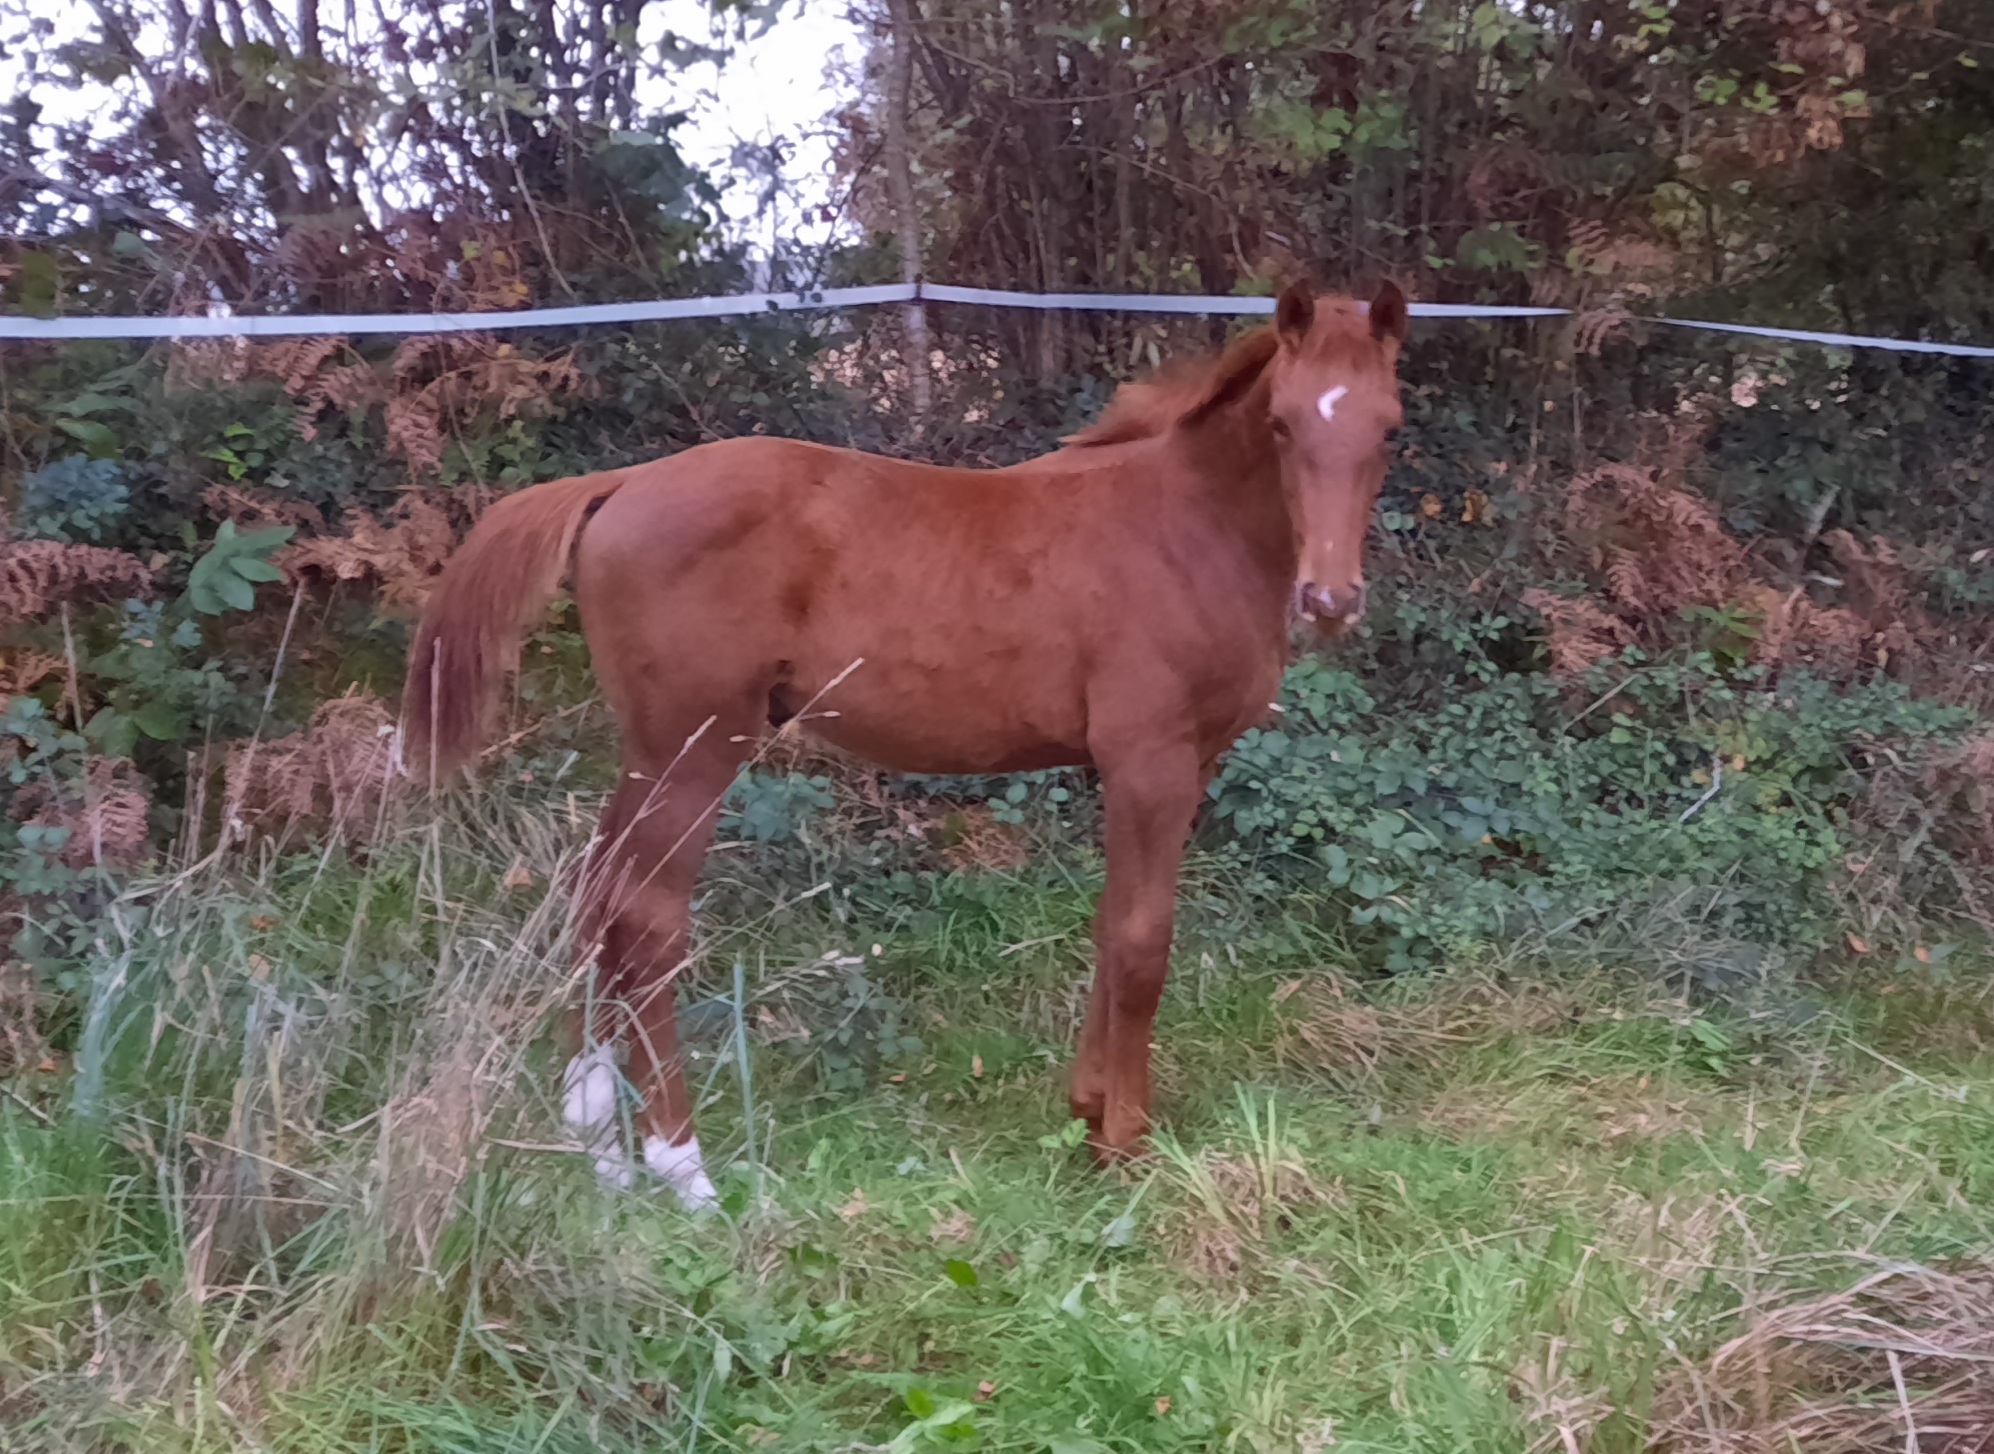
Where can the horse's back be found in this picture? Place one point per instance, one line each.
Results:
(770, 567)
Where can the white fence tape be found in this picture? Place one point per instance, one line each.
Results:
(281, 325)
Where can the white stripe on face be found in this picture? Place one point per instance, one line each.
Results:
(1326, 405)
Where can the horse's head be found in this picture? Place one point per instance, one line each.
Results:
(1334, 407)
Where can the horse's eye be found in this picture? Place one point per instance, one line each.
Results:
(1392, 434)
(1280, 428)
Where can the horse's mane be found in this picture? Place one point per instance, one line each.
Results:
(1181, 393)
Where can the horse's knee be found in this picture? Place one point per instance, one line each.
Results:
(1141, 954)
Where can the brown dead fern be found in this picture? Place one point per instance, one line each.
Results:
(27, 669)
(402, 555)
(1583, 633)
(444, 382)
(433, 386)
(107, 812)
(1655, 549)
(339, 777)
(257, 509)
(36, 575)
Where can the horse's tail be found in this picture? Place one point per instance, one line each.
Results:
(495, 587)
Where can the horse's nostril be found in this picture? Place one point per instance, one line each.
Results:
(1333, 604)
(1314, 601)
(1327, 603)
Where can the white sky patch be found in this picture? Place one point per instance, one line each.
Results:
(777, 89)
(780, 87)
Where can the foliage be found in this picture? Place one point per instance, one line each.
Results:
(156, 681)
(57, 869)
(839, 1020)
(74, 498)
(1554, 146)
(1505, 813)
(226, 576)
(768, 808)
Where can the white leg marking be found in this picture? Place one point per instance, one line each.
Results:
(1326, 405)
(681, 1168)
(588, 1105)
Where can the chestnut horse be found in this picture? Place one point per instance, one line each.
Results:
(1123, 603)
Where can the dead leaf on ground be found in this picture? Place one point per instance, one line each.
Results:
(957, 1229)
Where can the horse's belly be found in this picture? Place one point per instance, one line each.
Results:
(947, 726)
(913, 752)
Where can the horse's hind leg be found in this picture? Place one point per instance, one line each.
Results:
(641, 880)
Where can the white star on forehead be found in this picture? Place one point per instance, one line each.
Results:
(1326, 405)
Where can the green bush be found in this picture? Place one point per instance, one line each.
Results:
(1513, 808)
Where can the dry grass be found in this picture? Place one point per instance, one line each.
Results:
(1332, 1028)
(1235, 1202)
(1904, 1359)
(262, 1167)
(22, 1048)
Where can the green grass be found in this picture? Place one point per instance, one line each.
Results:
(316, 1208)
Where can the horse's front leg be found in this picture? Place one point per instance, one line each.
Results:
(1151, 791)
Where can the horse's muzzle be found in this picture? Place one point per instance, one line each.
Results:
(1335, 610)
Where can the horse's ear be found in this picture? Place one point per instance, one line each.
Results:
(1294, 314)
(1388, 312)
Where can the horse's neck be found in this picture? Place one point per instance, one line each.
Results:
(1237, 477)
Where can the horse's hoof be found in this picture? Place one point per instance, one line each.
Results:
(590, 1087)
(589, 1090)
(682, 1169)
(613, 1171)
(1108, 1155)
